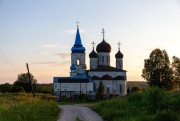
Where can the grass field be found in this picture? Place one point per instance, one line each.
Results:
(22, 107)
(151, 105)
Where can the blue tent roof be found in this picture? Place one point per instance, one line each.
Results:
(78, 47)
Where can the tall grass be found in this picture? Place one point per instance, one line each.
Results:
(22, 107)
(152, 105)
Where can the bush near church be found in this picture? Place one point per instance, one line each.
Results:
(136, 88)
(154, 104)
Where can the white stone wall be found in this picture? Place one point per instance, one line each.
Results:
(73, 74)
(103, 58)
(83, 87)
(119, 63)
(118, 87)
(113, 74)
(81, 68)
(93, 63)
(114, 86)
(56, 87)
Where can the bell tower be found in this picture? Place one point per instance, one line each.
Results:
(78, 65)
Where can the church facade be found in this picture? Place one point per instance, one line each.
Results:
(83, 81)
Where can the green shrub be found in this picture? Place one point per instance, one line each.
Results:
(166, 116)
(136, 88)
(152, 105)
(155, 97)
(136, 98)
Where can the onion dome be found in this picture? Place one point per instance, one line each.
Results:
(73, 67)
(103, 47)
(93, 54)
(119, 54)
(78, 47)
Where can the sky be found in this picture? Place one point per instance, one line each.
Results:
(42, 32)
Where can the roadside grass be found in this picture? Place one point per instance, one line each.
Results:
(22, 107)
(152, 105)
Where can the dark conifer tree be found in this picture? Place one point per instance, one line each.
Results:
(101, 89)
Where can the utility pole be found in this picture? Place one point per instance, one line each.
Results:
(30, 81)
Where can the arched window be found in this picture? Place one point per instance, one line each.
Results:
(78, 62)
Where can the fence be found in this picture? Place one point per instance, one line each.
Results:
(70, 97)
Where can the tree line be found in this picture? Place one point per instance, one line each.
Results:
(22, 84)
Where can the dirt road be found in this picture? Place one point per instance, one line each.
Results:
(71, 112)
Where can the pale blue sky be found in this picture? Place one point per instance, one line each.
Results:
(42, 32)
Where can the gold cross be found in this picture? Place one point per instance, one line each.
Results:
(119, 44)
(93, 44)
(103, 32)
(77, 23)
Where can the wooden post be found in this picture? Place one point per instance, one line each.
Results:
(30, 81)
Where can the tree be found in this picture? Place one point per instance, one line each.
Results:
(128, 91)
(23, 81)
(5, 87)
(44, 88)
(176, 71)
(176, 68)
(101, 89)
(157, 69)
(16, 89)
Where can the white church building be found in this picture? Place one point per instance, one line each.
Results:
(83, 81)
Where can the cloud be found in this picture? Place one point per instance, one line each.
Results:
(45, 62)
(44, 53)
(61, 64)
(67, 62)
(73, 31)
(152, 48)
(149, 48)
(62, 55)
(49, 46)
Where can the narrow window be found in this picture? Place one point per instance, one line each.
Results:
(108, 90)
(120, 88)
(78, 62)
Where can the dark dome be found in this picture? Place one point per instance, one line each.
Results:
(103, 47)
(119, 54)
(93, 54)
